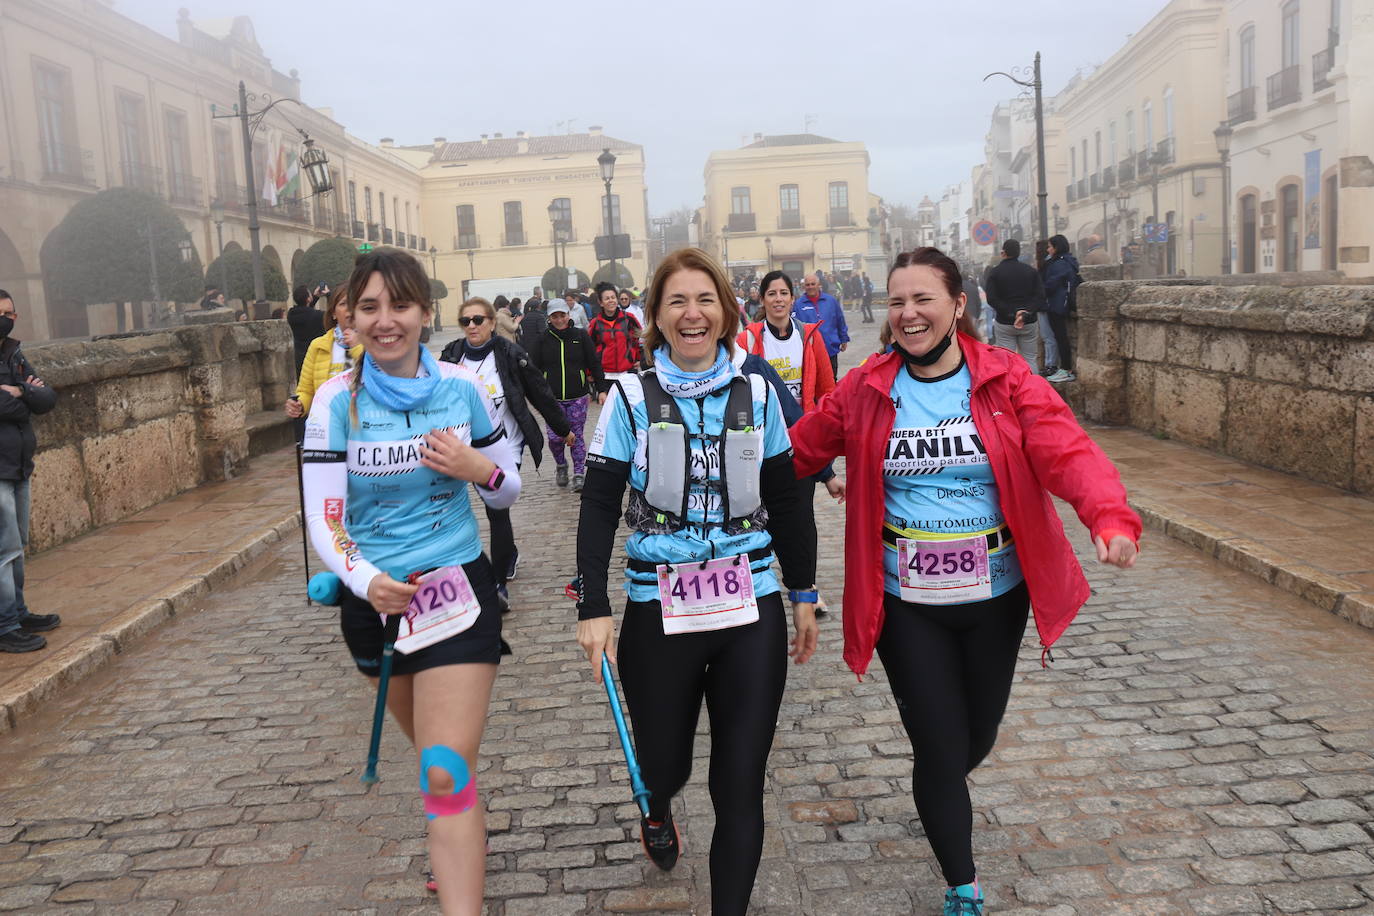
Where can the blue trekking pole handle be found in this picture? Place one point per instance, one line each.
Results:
(641, 793)
(391, 629)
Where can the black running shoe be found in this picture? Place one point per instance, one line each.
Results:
(661, 842)
(514, 564)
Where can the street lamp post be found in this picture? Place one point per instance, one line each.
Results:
(606, 161)
(217, 217)
(553, 223)
(768, 245)
(1123, 203)
(472, 273)
(1042, 194)
(313, 162)
(725, 243)
(1223, 135)
(434, 273)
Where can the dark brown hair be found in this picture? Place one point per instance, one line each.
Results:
(406, 281)
(336, 295)
(689, 259)
(948, 270)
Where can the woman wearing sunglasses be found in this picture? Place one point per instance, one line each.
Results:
(509, 377)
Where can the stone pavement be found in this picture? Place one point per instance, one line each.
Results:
(1203, 745)
(115, 584)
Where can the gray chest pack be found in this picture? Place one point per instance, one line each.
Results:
(661, 507)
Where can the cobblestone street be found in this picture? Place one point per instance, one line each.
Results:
(1202, 745)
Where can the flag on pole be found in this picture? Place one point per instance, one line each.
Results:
(269, 182)
(292, 174)
(280, 173)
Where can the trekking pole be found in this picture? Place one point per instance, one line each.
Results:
(305, 541)
(637, 787)
(389, 631)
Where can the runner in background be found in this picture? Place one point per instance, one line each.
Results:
(950, 533)
(509, 378)
(615, 333)
(570, 365)
(704, 616)
(390, 449)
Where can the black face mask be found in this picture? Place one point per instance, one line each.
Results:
(6, 325)
(932, 356)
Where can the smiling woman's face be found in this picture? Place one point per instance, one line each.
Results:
(691, 319)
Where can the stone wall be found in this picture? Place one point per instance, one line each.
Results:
(143, 417)
(1279, 376)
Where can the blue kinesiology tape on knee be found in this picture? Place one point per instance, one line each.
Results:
(464, 794)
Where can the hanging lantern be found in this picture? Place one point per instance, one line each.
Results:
(316, 166)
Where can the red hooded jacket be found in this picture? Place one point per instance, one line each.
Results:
(616, 339)
(1035, 447)
(817, 378)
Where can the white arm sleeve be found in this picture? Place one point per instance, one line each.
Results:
(324, 479)
(501, 452)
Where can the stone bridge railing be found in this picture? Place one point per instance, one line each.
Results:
(143, 417)
(1275, 375)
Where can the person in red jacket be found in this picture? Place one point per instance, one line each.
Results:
(616, 334)
(952, 450)
(795, 349)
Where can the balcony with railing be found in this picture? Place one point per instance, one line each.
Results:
(1070, 193)
(1142, 163)
(67, 163)
(465, 241)
(1165, 151)
(291, 209)
(184, 190)
(374, 233)
(1095, 183)
(1285, 87)
(386, 236)
(839, 216)
(562, 234)
(1322, 62)
(234, 197)
(741, 222)
(791, 219)
(1240, 106)
(513, 238)
(1125, 170)
(141, 176)
(1108, 178)
(358, 229)
(1082, 188)
(423, 246)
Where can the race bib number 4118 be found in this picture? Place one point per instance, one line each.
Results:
(714, 595)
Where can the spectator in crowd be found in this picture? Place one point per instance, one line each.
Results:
(1094, 252)
(816, 306)
(22, 394)
(1017, 295)
(533, 324)
(306, 321)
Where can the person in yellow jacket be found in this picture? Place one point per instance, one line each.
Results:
(329, 354)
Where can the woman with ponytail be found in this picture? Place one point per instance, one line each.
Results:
(952, 450)
(390, 448)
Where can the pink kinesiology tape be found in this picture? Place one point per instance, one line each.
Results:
(447, 805)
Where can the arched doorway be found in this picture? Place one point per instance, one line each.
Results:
(65, 319)
(15, 280)
(295, 263)
(269, 254)
(1290, 217)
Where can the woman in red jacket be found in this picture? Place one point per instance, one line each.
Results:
(952, 449)
(795, 349)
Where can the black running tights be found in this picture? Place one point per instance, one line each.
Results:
(502, 541)
(951, 669)
(741, 672)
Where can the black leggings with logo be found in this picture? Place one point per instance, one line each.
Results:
(741, 672)
(951, 669)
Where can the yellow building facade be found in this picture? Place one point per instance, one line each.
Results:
(796, 202)
(90, 100)
(492, 204)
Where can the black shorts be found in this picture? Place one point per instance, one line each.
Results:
(480, 643)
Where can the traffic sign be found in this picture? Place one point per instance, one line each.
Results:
(985, 232)
(1156, 232)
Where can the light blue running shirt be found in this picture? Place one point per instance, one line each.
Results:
(936, 476)
(617, 439)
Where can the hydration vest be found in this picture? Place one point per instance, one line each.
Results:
(661, 507)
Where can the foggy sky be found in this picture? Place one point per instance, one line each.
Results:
(902, 78)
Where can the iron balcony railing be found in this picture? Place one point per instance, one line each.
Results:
(184, 190)
(1322, 62)
(386, 236)
(1240, 106)
(1108, 178)
(513, 239)
(141, 176)
(741, 222)
(234, 197)
(1095, 183)
(1125, 169)
(840, 217)
(68, 163)
(466, 241)
(1164, 151)
(791, 219)
(564, 234)
(1070, 193)
(1285, 87)
(1082, 188)
(358, 230)
(373, 233)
